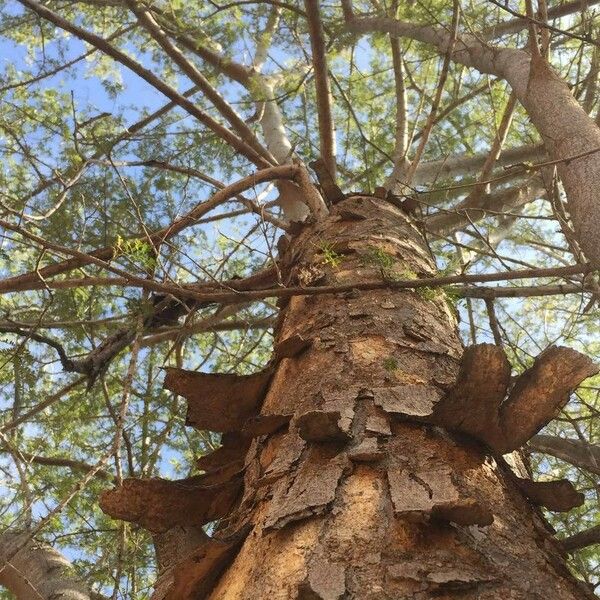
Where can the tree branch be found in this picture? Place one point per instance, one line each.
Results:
(91, 38)
(575, 452)
(322, 86)
(583, 539)
(147, 21)
(566, 128)
(37, 571)
(79, 259)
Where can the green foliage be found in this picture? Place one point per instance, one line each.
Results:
(138, 251)
(427, 293)
(380, 258)
(390, 363)
(330, 257)
(78, 172)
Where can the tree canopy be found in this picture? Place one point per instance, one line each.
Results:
(154, 155)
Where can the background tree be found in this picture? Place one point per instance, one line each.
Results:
(157, 158)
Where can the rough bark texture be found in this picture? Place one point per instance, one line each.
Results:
(354, 492)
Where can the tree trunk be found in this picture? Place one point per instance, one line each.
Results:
(350, 488)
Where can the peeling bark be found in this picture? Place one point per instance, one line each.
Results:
(218, 401)
(362, 483)
(194, 576)
(476, 404)
(159, 504)
(559, 496)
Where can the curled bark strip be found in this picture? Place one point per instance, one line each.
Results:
(463, 512)
(441, 576)
(326, 580)
(558, 496)
(219, 401)
(232, 451)
(290, 347)
(367, 451)
(411, 400)
(475, 404)
(175, 544)
(472, 404)
(195, 576)
(265, 424)
(323, 426)
(540, 392)
(159, 504)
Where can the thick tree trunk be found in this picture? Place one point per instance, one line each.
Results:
(347, 492)
(394, 509)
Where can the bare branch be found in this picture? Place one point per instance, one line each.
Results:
(583, 539)
(520, 23)
(145, 18)
(445, 221)
(36, 571)
(22, 282)
(438, 95)
(147, 75)
(323, 88)
(575, 452)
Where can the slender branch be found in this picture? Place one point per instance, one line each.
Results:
(575, 452)
(147, 21)
(469, 164)
(38, 408)
(91, 38)
(68, 365)
(209, 324)
(520, 23)
(495, 151)
(249, 295)
(127, 133)
(494, 326)
(401, 134)
(58, 461)
(443, 222)
(275, 3)
(22, 282)
(583, 539)
(322, 86)
(529, 21)
(438, 94)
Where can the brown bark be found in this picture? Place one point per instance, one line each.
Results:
(367, 492)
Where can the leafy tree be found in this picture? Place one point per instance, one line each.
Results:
(299, 299)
